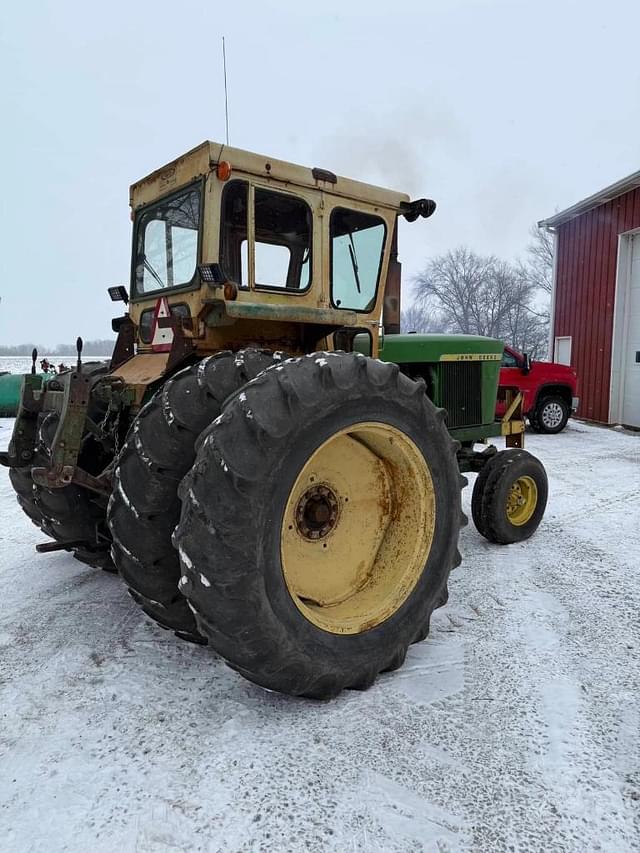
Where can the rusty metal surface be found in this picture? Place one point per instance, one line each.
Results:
(515, 439)
(182, 346)
(357, 528)
(57, 477)
(391, 304)
(205, 157)
(296, 321)
(292, 313)
(68, 438)
(143, 368)
(125, 343)
(262, 305)
(67, 441)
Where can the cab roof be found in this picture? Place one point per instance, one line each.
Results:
(206, 156)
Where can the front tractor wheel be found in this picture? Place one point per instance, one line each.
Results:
(320, 523)
(509, 497)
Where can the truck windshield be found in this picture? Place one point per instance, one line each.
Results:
(167, 242)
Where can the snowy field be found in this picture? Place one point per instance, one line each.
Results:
(21, 364)
(515, 727)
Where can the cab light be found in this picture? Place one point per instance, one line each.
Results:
(230, 291)
(223, 170)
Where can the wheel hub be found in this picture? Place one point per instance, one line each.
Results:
(357, 528)
(552, 415)
(522, 501)
(317, 512)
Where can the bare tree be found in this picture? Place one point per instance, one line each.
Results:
(526, 326)
(449, 286)
(482, 295)
(414, 318)
(539, 262)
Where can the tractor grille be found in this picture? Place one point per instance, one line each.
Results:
(461, 392)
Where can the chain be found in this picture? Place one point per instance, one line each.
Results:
(102, 426)
(116, 433)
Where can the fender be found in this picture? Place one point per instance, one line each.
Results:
(541, 391)
(142, 370)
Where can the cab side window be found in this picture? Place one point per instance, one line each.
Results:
(357, 241)
(283, 227)
(234, 232)
(283, 241)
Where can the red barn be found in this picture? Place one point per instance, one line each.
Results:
(595, 303)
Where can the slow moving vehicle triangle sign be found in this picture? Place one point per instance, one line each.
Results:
(162, 338)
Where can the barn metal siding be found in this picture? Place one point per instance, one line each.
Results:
(585, 294)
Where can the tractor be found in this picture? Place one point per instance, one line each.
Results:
(259, 477)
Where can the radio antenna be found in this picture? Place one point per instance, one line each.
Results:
(226, 98)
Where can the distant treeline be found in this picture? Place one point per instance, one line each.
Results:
(99, 347)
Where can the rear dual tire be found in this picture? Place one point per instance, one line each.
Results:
(267, 498)
(160, 449)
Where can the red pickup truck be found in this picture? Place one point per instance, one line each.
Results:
(549, 390)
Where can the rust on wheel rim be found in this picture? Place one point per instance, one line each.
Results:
(317, 512)
(357, 528)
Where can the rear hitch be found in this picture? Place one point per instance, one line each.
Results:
(60, 476)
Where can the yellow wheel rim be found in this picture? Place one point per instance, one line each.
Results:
(522, 501)
(358, 528)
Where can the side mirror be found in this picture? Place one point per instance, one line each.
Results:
(526, 363)
(411, 210)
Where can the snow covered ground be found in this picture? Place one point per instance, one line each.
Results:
(515, 727)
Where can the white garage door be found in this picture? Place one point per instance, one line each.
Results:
(631, 355)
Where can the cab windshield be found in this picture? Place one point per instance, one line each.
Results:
(167, 242)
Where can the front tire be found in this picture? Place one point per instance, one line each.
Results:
(319, 524)
(509, 497)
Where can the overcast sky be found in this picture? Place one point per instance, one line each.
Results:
(501, 111)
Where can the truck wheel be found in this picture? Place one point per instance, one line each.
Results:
(319, 523)
(70, 514)
(509, 497)
(551, 415)
(144, 507)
